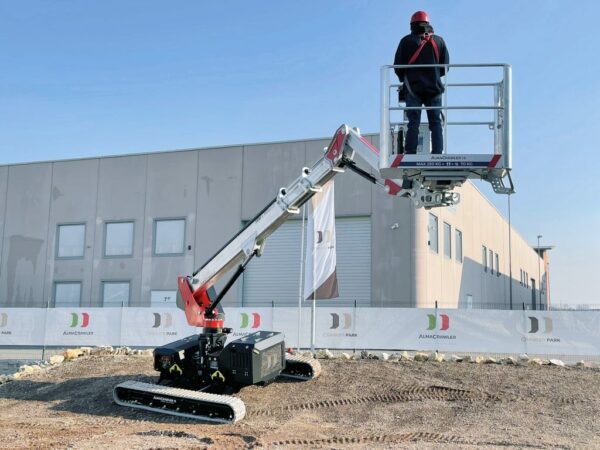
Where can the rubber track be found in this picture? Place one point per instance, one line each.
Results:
(407, 394)
(314, 364)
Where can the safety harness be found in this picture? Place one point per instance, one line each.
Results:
(425, 38)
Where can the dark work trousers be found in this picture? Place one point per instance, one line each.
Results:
(434, 116)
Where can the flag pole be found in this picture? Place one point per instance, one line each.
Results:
(301, 284)
(313, 334)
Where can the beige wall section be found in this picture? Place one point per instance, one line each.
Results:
(452, 283)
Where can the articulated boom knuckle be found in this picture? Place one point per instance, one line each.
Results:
(194, 302)
(335, 150)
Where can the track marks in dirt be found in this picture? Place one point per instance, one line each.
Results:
(398, 438)
(396, 394)
(393, 395)
(376, 439)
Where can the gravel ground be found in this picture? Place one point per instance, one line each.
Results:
(354, 404)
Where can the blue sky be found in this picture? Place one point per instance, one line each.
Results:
(83, 78)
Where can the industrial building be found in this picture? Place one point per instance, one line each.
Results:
(118, 230)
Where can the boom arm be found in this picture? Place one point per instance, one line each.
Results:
(193, 293)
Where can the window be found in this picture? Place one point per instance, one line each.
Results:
(484, 258)
(71, 241)
(115, 293)
(163, 298)
(67, 294)
(497, 265)
(521, 275)
(169, 236)
(433, 232)
(447, 240)
(118, 239)
(458, 244)
(492, 262)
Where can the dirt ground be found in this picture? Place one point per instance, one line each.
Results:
(354, 404)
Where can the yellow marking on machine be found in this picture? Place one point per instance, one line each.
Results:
(217, 374)
(175, 368)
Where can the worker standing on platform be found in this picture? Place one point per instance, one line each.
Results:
(422, 86)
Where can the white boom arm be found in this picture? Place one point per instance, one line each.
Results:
(250, 240)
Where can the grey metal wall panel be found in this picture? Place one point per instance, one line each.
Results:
(73, 200)
(268, 167)
(393, 240)
(25, 235)
(171, 187)
(3, 200)
(219, 205)
(121, 196)
(352, 193)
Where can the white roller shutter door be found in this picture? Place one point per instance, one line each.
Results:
(275, 276)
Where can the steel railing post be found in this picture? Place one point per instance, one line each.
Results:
(507, 129)
(384, 131)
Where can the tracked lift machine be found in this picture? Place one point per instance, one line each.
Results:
(198, 374)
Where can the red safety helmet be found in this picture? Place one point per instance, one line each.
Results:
(419, 16)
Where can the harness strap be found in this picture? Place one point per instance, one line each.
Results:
(424, 40)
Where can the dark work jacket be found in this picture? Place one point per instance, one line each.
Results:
(424, 82)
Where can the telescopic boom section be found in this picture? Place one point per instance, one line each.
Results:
(193, 294)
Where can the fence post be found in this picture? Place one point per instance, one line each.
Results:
(45, 326)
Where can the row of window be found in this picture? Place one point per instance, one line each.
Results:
(488, 257)
(67, 294)
(433, 238)
(168, 238)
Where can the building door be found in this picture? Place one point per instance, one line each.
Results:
(273, 279)
(533, 295)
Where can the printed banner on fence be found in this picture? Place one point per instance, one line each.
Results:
(448, 330)
(83, 326)
(22, 326)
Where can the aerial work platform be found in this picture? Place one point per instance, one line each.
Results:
(429, 180)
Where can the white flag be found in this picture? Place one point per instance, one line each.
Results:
(320, 281)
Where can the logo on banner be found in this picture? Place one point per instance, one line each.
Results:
(539, 326)
(335, 321)
(342, 321)
(4, 323)
(164, 319)
(162, 324)
(437, 322)
(444, 322)
(247, 324)
(535, 325)
(246, 320)
(79, 320)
